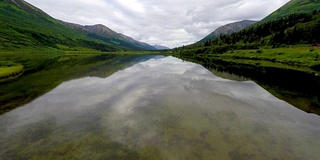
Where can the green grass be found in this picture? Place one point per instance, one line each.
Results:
(297, 58)
(300, 57)
(8, 71)
(294, 7)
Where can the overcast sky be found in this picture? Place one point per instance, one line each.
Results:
(170, 23)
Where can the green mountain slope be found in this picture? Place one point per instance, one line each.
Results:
(228, 29)
(105, 34)
(295, 29)
(298, 29)
(26, 7)
(294, 7)
(301, 27)
(25, 26)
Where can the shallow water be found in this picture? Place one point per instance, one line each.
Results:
(163, 108)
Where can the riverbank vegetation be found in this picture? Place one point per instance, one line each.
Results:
(284, 39)
(9, 70)
(302, 58)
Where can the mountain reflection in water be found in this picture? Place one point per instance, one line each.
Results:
(163, 108)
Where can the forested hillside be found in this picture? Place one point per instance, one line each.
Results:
(294, 7)
(294, 29)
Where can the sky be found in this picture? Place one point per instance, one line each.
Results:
(170, 23)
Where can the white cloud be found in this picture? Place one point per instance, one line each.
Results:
(166, 22)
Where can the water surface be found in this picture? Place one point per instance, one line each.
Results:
(163, 108)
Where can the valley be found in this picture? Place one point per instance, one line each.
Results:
(229, 46)
(248, 90)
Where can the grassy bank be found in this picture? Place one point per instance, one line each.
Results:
(302, 58)
(299, 58)
(44, 71)
(9, 70)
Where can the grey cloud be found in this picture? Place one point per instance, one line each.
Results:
(166, 22)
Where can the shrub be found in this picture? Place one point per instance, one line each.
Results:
(259, 51)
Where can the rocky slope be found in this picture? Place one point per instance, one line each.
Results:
(228, 29)
(104, 33)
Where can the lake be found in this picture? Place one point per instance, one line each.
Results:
(162, 108)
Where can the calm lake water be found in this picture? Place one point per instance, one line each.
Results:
(163, 108)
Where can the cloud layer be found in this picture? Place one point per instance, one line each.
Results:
(166, 22)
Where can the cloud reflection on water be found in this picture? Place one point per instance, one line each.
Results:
(177, 107)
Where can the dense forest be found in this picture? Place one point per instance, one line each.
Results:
(303, 28)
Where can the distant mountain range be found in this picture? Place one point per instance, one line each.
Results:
(159, 47)
(228, 29)
(105, 34)
(26, 26)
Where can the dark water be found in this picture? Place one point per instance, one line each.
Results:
(163, 108)
(301, 89)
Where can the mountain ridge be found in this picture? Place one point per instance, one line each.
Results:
(301, 28)
(26, 26)
(160, 47)
(25, 6)
(228, 29)
(293, 7)
(104, 33)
